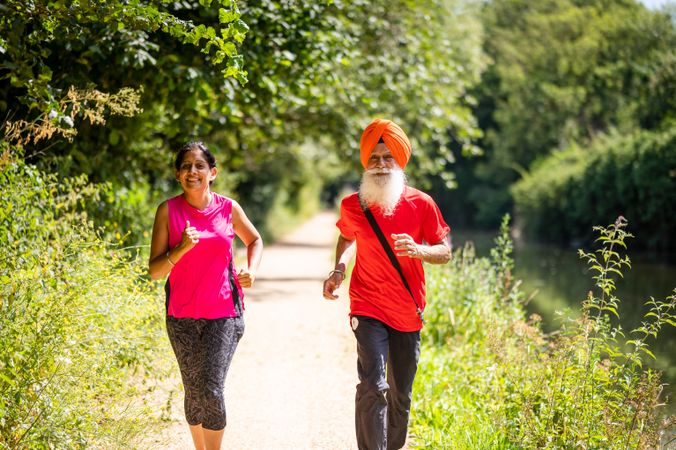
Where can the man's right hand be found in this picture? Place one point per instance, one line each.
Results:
(332, 283)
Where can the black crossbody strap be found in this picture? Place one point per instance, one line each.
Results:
(233, 285)
(391, 256)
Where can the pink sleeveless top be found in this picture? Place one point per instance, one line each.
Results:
(199, 286)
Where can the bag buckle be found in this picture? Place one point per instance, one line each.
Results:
(421, 314)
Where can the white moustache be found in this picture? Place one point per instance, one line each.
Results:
(379, 171)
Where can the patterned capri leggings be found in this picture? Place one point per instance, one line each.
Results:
(204, 349)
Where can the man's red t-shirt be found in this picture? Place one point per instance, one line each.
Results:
(376, 289)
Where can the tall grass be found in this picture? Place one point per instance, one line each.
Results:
(489, 378)
(79, 324)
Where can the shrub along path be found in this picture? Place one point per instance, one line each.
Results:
(292, 381)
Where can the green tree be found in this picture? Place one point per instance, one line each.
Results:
(565, 194)
(316, 71)
(566, 71)
(47, 47)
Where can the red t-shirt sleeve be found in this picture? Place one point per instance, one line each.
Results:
(435, 228)
(344, 224)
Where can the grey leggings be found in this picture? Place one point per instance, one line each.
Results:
(204, 349)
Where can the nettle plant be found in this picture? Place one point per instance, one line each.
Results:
(632, 391)
(597, 391)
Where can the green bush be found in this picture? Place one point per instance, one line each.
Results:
(563, 196)
(79, 324)
(491, 379)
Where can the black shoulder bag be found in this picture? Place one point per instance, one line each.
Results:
(391, 255)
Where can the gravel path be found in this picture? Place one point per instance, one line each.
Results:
(291, 384)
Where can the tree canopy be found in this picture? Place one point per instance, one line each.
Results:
(563, 73)
(280, 90)
(255, 79)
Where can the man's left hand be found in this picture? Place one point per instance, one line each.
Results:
(404, 245)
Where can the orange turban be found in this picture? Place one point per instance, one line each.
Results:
(394, 137)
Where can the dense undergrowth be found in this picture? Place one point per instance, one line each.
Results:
(79, 324)
(489, 378)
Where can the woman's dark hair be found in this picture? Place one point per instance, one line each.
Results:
(194, 145)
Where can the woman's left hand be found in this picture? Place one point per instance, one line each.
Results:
(246, 278)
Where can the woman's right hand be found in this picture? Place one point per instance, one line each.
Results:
(190, 237)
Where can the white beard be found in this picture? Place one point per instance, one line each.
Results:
(382, 191)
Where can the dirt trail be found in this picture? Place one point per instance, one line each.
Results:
(291, 384)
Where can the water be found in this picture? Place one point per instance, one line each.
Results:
(558, 280)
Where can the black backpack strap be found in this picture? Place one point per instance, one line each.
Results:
(233, 286)
(167, 291)
(391, 256)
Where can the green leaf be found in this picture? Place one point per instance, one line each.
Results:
(236, 61)
(227, 16)
(113, 138)
(241, 77)
(241, 26)
(612, 310)
(230, 49)
(648, 352)
(230, 71)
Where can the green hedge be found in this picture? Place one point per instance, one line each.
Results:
(79, 322)
(564, 195)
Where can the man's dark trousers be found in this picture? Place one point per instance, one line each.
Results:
(387, 362)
